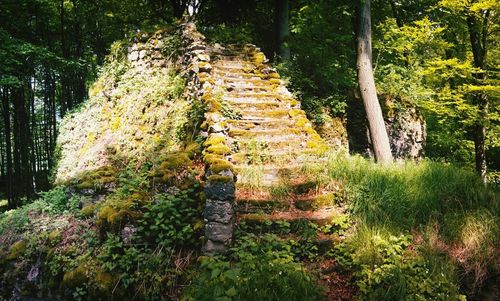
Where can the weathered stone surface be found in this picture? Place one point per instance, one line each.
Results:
(212, 248)
(218, 232)
(142, 54)
(218, 190)
(404, 123)
(133, 56)
(218, 211)
(127, 234)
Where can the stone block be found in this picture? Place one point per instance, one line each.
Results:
(219, 190)
(218, 232)
(218, 211)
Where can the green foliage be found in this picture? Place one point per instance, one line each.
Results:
(252, 279)
(321, 70)
(387, 268)
(229, 34)
(172, 220)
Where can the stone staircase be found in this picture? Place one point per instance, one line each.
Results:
(275, 152)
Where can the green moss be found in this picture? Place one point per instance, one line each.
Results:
(210, 158)
(219, 165)
(219, 149)
(276, 113)
(54, 236)
(104, 281)
(88, 211)
(324, 200)
(75, 277)
(213, 140)
(17, 250)
(217, 178)
(176, 160)
(296, 112)
(85, 185)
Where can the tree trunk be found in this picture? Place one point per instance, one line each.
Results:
(8, 147)
(478, 39)
(366, 81)
(283, 29)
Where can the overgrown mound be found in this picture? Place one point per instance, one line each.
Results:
(124, 220)
(135, 110)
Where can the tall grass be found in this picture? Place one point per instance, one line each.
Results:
(447, 208)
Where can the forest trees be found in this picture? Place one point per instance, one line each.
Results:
(366, 81)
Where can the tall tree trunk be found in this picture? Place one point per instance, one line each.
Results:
(478, 38)
(8, 147)
(366, 81)
(282, 28)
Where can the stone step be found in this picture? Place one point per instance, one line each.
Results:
(224, 75)
(234, 63)
(262, 122)
(233, 68)
(256, 114)
(233, 88)
(242, 97)
(256, 95)
(255, 82)
(258, 105)
(321, 217)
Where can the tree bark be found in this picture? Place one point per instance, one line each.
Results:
(8, 147)
(478, 39)
(366, 81)
(282, 28)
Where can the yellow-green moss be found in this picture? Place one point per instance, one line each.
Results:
(176, 160)
(276, 113)
(213, 140)
(275, 81)
(296, 112)
(219, 165)
(294, 102)
(274, 75)
(324, 200)
(54, 236)
(259, 58)
(17, 250)
(76, 276)
(219, 149)
(88, 211)
(217, 178)
(105, 281)
(209, 158)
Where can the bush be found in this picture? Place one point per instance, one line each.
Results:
(388, 267)
(259, 278)
(172, 220)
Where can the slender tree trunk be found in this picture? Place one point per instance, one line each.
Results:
(366, 81)
(282, 28)
(8, 147)
(478, 39)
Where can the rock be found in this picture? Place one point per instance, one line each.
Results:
(133, 56)
(218, 211)
(218, 232)
(142, 54)
(212, 248)
(216, 128)
(127, 234)
(218, 190)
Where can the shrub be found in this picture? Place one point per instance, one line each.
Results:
(259, 278)
(388, 268)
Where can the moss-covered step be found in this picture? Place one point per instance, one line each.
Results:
(262, 123)
(242, 104)
(242, 63)
(255, 134)
(245, 206)
(225, 74)
(320, 217)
